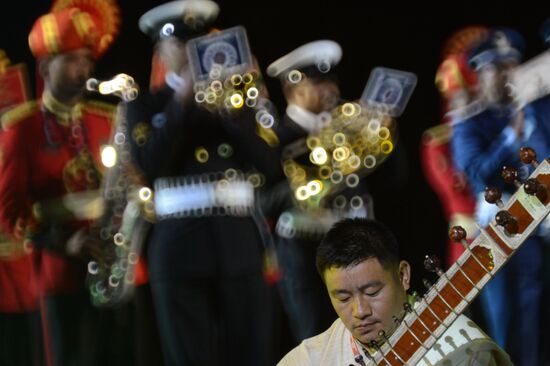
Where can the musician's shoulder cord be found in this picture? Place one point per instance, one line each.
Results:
(79, 143)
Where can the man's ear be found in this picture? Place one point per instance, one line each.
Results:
(43, 67)
(289, 92)
(405, 274)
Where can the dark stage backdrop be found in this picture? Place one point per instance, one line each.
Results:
(371, 35)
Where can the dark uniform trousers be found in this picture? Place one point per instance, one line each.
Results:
(212, 304)
(303, 293)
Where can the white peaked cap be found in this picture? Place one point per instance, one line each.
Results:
(205, 9)
(310, 54)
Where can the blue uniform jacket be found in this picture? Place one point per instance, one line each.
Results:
(482, 144)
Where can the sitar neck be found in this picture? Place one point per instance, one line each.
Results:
(457, 287)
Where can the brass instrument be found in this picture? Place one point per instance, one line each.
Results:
(353, 141)
(122, 228)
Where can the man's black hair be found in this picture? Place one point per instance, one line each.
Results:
(352, 241)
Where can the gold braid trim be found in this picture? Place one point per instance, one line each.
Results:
(99, 108)
(19, 113)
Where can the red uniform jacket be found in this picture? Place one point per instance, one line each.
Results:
(49, 150)
(449, 184)
(17, 288)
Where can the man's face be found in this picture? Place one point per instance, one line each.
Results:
(367, 296)
(328, 94)
(315, 96)
(65, 74)
(493, 79)
(173, 54)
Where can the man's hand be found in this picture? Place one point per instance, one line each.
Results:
(81, 244)
(183, 93)
(173, 54)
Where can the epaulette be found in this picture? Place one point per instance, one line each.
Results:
(437, 135)
(99, 108)
(19, 113)
(267, 134)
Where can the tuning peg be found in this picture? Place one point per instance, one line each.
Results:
(505, 219)
(458, 235)
(510, 175)
(427, 283)
(535, 188)
(382, 334)
(375, 345)
(528, 155)
(493, 195)
(433, 264)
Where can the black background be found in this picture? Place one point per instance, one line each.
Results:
(371, 34)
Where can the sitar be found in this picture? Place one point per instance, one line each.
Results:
(423, 325)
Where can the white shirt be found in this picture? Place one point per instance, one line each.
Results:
(462, 344)
(309, 121)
